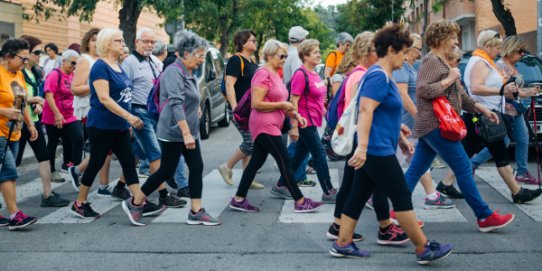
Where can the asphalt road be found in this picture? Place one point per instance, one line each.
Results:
(273, 239)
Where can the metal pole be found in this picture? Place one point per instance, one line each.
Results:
(539, 30)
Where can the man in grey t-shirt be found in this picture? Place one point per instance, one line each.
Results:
(296, 35)
(143, 69)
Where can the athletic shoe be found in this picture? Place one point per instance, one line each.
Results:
(393, 219)
(527, 178)
(525, 195)
(84, 210)
(133, 212)
(243, 206)
(172, 202)
(281, 192)
(306, 183)
(393, 235)
(226, 173)
(21, 220)
(449, 191)
(333, 233)
(54, 200)
(172, 183)
(434, 251)
(120, 193)
(440, 202)
(150, 209)
(256, 185)
(369, 203)
(437, 164)
(183, 192)
(65, 167)
(310, 170)
(495, 221)
(56, 177)
(3, 221)
(75, 179)
(349, 251)
(201, 218)
(104, 192)
(307, 206)
(330, 197)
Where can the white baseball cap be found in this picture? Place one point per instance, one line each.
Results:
(297, 34)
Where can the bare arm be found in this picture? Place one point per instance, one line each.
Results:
(408, 104)
(258, 103)
(230, 91)
(479, 74)
(80, 86)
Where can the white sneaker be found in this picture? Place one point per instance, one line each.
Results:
(56, 177)
(226, 173)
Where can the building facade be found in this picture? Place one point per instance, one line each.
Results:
(65, 31)
(474, 16)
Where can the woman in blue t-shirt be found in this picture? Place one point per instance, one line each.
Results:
(109, 122)
(378, 132)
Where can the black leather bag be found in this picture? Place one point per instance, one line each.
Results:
(490, 131)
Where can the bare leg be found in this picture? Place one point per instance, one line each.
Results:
(507, 175)
(449, 179)
(237, 156)
(409, 223)
(104, 171)
(45, 175)
(427, 183)
(10, 195)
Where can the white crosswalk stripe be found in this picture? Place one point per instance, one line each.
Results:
(490, 175)
(31, 189)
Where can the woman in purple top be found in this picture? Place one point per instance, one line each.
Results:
(270, 106)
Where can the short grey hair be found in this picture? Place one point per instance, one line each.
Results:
(271, 48)
(343, 38)
(488, 38)
(143, 30)
(159, 48)
(69, 54)
(187, 41)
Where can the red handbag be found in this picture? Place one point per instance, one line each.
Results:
(451, 125)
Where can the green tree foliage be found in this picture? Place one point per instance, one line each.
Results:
(360, 15)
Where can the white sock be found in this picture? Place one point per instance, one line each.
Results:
(432, 196)
(12, 216)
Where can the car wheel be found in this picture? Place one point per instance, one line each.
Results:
(225, 122)
(205, 125)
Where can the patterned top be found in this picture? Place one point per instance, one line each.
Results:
(433, 70)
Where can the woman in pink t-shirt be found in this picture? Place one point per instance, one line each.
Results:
(269, 108)
(58, 116)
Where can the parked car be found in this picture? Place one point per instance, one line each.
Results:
(213, 105)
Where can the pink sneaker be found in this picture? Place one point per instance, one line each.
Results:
(307, 206)
(527, 178)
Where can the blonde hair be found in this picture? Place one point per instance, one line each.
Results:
(104, 39)
(489, 38)
(305, 48)
(512, 44)
(271, 48)
(415, 37)
(363, 43)
(347, 62)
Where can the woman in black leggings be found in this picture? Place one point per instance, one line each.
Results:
(378, 130)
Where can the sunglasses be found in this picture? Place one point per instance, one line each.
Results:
(74, 63)
(282, 56)
(38, 52)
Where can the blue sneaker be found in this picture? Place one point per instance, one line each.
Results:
(434, 251)
(75, 178)
(104, 192)
(349, 251)
(3, 221)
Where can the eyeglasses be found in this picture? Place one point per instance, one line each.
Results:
(37, 52)
(282, 56)
(252, 40)
(148, 41)
(121, 41)
(23, 58)
(199, 56)
(417, 48)
(497, 36)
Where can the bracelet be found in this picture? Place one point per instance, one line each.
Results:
(362, 149)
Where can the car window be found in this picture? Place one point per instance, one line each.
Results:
(209, 66)
(530, 68)
(197, 72)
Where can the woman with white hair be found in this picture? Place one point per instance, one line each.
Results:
(484, 81)
(160, 50)
(343, 41)
(58, 113)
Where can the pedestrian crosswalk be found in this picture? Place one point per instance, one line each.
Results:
(217, 194)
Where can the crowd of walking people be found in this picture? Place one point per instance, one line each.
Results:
(94, 100)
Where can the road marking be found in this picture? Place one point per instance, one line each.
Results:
(32, 189)
(325, 213)
(491, 176)
(216, 196)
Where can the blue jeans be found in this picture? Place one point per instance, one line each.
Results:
(180, 176)
(309, 142)
(453, 153)
(300, 174)
(8, 170)
(149, 148)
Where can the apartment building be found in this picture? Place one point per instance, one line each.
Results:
(475, 16)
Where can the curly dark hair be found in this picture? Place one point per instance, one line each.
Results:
(13, 46)
(394, 35)
(86, 39)
(439, 31)
(32, 41)
(241, 38)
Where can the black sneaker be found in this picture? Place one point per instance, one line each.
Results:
(172, 183)
(525, 195)
(172, 202)
(183, 192)
(3, 221)
(54, 200)
(21, 220)
(150, 209)
(120, 193)
(333, 233)
(75, 178)
(449, 191)
(392, 235)
(84, 211)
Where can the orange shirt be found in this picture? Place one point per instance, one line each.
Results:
(333, 60)
(10, 84)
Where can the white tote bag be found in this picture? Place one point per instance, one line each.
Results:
(342, 140)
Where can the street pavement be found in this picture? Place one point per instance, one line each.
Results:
(273, 239)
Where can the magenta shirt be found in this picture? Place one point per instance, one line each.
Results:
(63, 97)
(311, 104)
(268, 122)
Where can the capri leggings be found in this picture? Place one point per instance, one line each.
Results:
(39, 147)
(247, 145)
(103, 140)
(385, 173)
